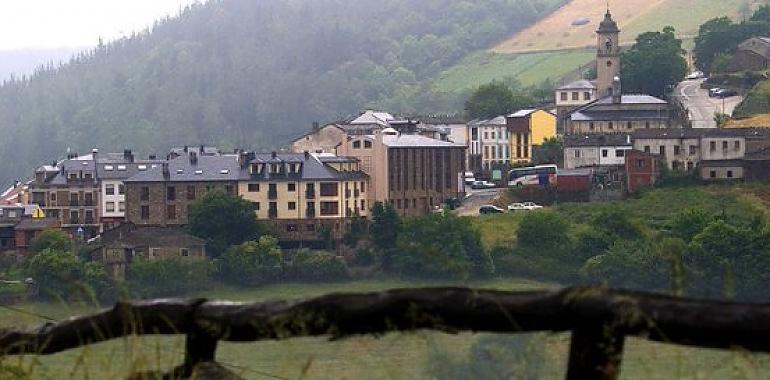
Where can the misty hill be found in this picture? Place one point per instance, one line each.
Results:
(248, 73)
(24, 62)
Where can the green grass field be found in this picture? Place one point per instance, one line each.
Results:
(529, 69)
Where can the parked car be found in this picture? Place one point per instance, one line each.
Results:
(713, 91)
(725, 93)
(526, 206)
(695, 75)
(469, 178)
(482, 185)
(490, 209)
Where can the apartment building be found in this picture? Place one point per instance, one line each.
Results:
(69, 192)
(684, 149)
(112, 169)
(595, 150)
(163, 194)
(414, 173)
(528, 129)
(303, 192)
(490, 143)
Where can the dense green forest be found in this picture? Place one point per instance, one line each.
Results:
(248, 73)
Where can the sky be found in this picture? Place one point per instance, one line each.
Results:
(43, 24)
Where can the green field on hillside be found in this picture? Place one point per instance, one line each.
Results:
(528, 69)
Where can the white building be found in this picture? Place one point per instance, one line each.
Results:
(595, 150)
(489, 143)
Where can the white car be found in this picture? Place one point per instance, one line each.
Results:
(469, 178)
(695, 75)
(482, 185)
(526, 206)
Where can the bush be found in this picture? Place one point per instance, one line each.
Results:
(252, 263)
(441, 246)
(630, 264)
(536, 267)
(55, 240)
(168, 277)
(544, 231)
(310, 265)
(60, 274)
(223, 220)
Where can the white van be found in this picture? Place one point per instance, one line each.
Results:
(469, 178)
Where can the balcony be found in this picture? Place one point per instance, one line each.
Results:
(90, 221)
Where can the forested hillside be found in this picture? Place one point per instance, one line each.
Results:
(248, 73)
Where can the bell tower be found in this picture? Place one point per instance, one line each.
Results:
(607, 55)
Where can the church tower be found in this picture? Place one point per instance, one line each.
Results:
(607, 55)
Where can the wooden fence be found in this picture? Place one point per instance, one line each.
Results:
(598, 318)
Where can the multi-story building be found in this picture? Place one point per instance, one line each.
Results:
(684, 149)
(413, 173)
(528, 129)
(490, 143)
(571, 96)
(163, 194)
(112, 170)
(595, 150)
(619, 114)
(302, 192)
(642, 170)
(69, 191)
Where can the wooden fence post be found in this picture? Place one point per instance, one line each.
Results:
(596, 351)
(199, 347)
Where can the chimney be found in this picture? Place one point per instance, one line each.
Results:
(186, 148)
(316, 126)
(153, 157)
(242, 159)
(273, 154)
(166, 172)
(307, 155)
(128, 155)
(617, 94)
(193, 158)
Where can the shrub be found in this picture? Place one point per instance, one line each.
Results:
(55, 240)
(310, 265)
(252, 263)
(544, 231)
(441, 246)
(168, 277)
(630, 264)
(223, 220)
(60, 274)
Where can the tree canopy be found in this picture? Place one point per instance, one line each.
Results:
(495, 99)
(721, 36)
(655, 63)
(223, 220)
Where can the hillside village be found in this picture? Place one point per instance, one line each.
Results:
(122, 206)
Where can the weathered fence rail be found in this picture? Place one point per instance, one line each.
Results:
(599, 319)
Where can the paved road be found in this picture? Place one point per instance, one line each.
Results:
(476, 199)
(702, 108)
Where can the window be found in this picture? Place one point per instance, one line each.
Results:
(171, 193)
(190, 193)
(121, 206)
(110, 206)
(564, 96)
(611, 125)
(253, 187)
(88, 176)
(73, 175)
(329, 190)
(591, 126)
(109, 189)
(171, 212)
(620, 153)
(647, 124)
(145, 213)
(184, 252)
(363, 187)
(256, 206)
(330, 208)
(74, 199)
(713, 174)
(724, 146)
(363, 205)
(145, 194)
(398, 204)
(605, 153)
(109, 168)
(629, 125)
(292, 206)
(676, 150)
(729, 174)
(291, 187)
(121, 189)
(575, 96)
(486, 135)
(586, 95)
(737, 145)
(368, 144)
(662, 150)
(713, 146)
(639, 164)
(493, 135)
(646, 149)
(577, 153)
(693, 150)
(357, 144)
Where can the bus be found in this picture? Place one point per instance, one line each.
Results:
(542, 175)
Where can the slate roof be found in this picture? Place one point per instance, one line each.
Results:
(685, 133)
(626, 115)
(579, 85)
(631, 99)
(608, 25)
(597, 139)
(224, 168)
(405, 141)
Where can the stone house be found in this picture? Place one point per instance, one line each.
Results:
(751, 55)
(683, 149)
(595, 150)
